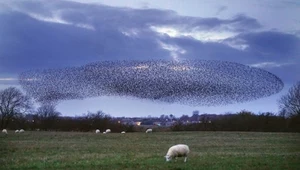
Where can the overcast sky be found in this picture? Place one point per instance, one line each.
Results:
(58, 34)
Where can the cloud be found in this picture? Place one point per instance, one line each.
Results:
(57, 19)
(175, 51)
(270, 43)
(201, 35)
(57, 34)
(221, 9)
(54, 36)
(206, 29)
(269, 64)
(8, 81)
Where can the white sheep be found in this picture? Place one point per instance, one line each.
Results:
(108, 131)
(97, 131)
(149, 131)
(17, 131)
(21, 131)
(180, 150)
(123, 132)
(4, 131)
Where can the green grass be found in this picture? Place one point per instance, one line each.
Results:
(209, 150)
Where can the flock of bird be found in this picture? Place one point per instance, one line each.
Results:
(191, 82)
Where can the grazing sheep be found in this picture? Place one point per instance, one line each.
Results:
(4, 131)
(97, 131)
(21, 131)
(17, 131)
(180, 150)
(108, 131)
(149, 131)
(123, 132)
(104, 132)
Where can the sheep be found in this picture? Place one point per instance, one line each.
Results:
(4, 131)
(17, 131)
(21, 131)
(104, 132)
(149, 131)
(108, 131)
(123, 132)
(97, 131)
(179, 150)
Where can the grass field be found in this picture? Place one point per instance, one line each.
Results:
(209, 150)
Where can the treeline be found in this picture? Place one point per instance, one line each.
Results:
(243, 121)
(15, 106)
(88, 122)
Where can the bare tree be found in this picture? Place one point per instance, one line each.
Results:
(13, 103)
(289, 104)
(47, 115)
(99, 120)
(98, 115)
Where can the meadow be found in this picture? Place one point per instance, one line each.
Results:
(209, 150)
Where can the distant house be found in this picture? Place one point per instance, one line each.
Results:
(157, 123)
(126, 121)
(170, 123)
(138, 123)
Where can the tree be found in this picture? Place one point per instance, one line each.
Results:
(289, 104)
(99, 120)
(184, 118)
(164, 117)
(195, 116)
(13, 103)
(172, 117)
(98, 115)
(47, 115)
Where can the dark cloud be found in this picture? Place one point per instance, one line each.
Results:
(274, 45)
(44, 44)
(88, 33)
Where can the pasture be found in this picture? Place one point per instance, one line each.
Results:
(209, 150)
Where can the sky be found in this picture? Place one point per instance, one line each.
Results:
(59, 34)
